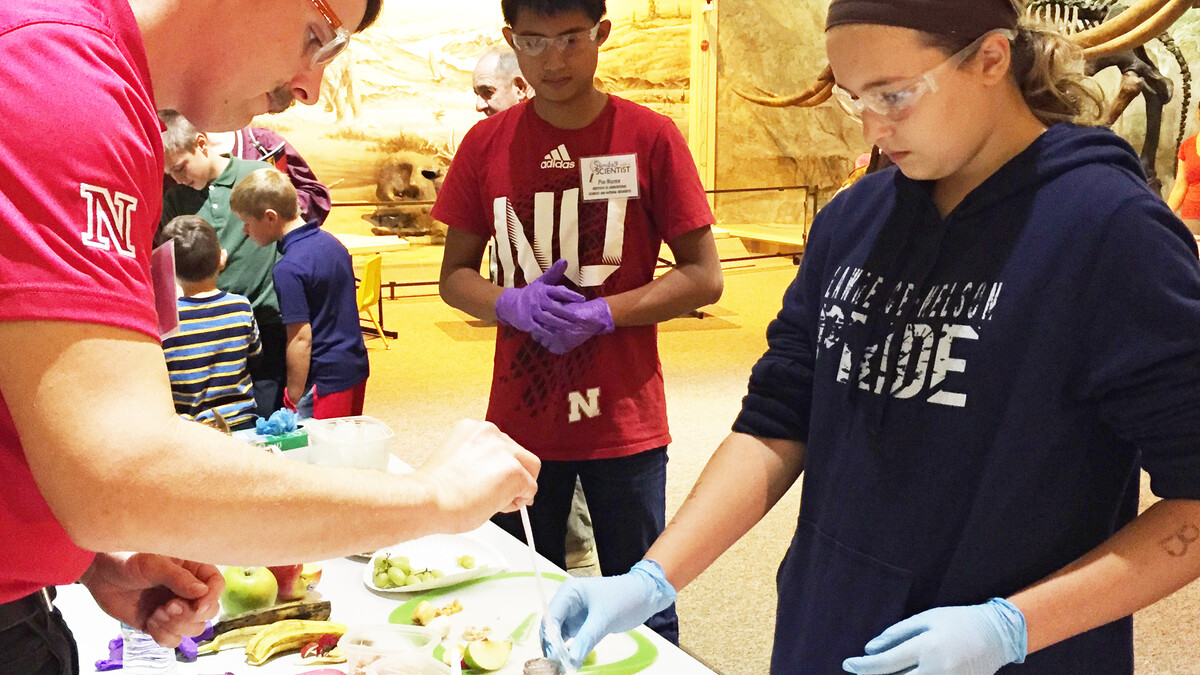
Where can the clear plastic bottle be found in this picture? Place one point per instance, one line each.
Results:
(141, 655)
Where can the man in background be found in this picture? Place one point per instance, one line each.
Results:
(498, 82)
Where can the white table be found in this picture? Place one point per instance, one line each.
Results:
(362, 244)
(341, 583)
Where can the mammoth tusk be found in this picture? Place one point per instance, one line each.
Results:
(817, 93)
(1120, 24)
(1147, 31)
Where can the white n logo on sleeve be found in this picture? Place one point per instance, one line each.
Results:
(109, 219)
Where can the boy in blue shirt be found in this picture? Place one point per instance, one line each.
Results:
(207, 359)
(314, 278)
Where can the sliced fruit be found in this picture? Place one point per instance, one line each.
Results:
(487, 655)
(424, 613)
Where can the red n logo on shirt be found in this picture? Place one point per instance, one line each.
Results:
(537, 257)
(109, 219)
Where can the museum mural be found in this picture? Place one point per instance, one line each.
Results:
(395, 105)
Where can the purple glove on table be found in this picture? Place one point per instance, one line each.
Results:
(583, 321)
(529, 309)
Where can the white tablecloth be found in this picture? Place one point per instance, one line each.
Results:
(352, 603)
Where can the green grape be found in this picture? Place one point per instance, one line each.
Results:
(381, 565)
(401, 560)
(396, 576)
(382, 580)
(412, 579)
(467, 562)
(437, 574)
(402, 565)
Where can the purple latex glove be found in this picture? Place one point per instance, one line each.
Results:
(116, 655)
(579, 322)
(529, 308)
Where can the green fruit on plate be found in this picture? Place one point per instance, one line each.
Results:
(382, 580)
(487, 655)
(467, 562)
(248, 589)
(397, 577)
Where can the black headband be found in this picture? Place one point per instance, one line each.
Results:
(956, 18)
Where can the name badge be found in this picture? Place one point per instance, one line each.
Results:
(609, 177)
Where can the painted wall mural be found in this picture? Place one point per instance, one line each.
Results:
(399, 99)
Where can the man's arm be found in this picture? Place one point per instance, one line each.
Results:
(694, 281)
(1150, 558)
(299, 356)
(92, 406)
(460, 283)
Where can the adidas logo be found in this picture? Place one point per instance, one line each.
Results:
(558, 159)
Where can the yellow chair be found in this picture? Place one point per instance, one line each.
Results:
(368, 292)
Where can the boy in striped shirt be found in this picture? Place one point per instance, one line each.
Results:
(208, 358)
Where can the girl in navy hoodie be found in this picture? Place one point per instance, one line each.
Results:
(984, 346)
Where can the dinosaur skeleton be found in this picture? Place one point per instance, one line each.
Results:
(1107, 39)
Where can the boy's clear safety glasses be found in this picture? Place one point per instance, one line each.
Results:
(533, 45)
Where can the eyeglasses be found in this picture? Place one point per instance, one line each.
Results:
(893, 102)
(328, 49)
(532, 45)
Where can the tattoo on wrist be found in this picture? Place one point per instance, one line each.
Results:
(1178, 543)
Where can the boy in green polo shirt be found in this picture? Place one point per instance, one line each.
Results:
(204, 180)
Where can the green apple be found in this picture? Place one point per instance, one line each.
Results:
(248, 589)
(487, 655)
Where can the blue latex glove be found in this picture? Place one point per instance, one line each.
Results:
(973, 640)
(281, 422)
(529, 308)
(587, 609)
(583, 321)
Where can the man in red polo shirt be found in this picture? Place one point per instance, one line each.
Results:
(93, 456)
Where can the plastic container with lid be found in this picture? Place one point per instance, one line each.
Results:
(365, 644)
(407, 665)
(360, 441)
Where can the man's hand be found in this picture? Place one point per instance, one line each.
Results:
(578, 323)
(973, 640)
(478, 472)
(165, 597)
(529, 308)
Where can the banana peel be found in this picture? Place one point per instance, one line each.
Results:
(312, 611)
(287, 635)
(238, 637)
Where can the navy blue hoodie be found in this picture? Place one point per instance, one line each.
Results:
(977, 393)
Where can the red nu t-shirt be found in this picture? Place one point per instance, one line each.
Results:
(519, 179)
(80, 194)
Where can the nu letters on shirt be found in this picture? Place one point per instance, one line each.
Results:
(927, 347)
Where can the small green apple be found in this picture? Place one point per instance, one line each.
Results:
(487, 655)
(248, 589)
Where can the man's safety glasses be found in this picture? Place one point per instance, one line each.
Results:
(532, 45)
(329, 47)
(893, 101)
